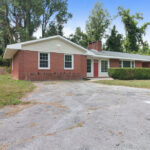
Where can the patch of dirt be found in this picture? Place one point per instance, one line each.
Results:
(50, 134)
(26, 140)
(33, 124)
(56, 104)
(93, 108)
(3, 147)
(120, 133)
(68, 94)
(15, 109)
(49, 82)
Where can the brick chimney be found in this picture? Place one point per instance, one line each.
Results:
(95, 45)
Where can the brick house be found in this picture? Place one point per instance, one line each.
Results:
(55, 58)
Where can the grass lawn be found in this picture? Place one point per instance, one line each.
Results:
(12, 90)
(130, 83)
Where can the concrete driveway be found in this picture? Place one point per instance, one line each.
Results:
(81, 115)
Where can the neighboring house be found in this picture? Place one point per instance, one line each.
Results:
(55, 58)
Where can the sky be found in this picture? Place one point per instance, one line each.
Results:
(81, 9)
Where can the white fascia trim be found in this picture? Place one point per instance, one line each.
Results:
(41, 68)
(72, 62)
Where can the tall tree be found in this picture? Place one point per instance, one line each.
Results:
(134, 33)
(114, 41)
(25, 17)
(6, 33)
(55, 15)
(98, 22)
(79, 37)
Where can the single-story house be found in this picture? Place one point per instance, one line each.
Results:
(56, 58)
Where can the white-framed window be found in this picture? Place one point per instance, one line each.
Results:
(43, 60)
(68, 61)
(104, 65)
(89, 68)
(127, 64)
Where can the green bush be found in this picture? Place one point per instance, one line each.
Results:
(129, 73)
(4, 62)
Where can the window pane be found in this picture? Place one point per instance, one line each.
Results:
(104, 66)
(68, 58)
(68, 61)
(68, 65)
(43, 60)
(88, 65)
(126, 64)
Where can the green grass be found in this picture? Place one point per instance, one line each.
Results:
(130, 83)
(12, 90)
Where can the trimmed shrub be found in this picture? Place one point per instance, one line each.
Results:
(129, 73)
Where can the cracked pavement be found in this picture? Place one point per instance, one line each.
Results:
(78, 115)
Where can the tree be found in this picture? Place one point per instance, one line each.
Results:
(25, 18)
(6, 34)
(114, 41)
(98, 22)
(79, 37)
(55, 15)
(134, 33)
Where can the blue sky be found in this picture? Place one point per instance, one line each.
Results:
(81, 10)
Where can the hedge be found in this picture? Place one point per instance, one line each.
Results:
(129, 73)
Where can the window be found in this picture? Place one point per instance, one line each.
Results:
(127, 64)
(88, 65)
(104, 66)
(68, 63)
(44, 61)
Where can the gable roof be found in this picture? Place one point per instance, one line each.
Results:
(13, 48)
(118, 55)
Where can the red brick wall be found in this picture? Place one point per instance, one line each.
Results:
(138, 64)
(16, 64)
(146, 64)
(26, 67)
(114, 63)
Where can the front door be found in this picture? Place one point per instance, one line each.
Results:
(95, 68)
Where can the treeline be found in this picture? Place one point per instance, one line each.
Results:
(98, 24)
(20, 19)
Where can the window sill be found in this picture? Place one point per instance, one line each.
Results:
(68, 68)
(43, 68)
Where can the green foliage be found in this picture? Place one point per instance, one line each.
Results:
(114, 41)
(79, 37)
(55, 15)
(12, 90)
(98, 22)
(129, 73)
(134, 33)
(4, 62)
